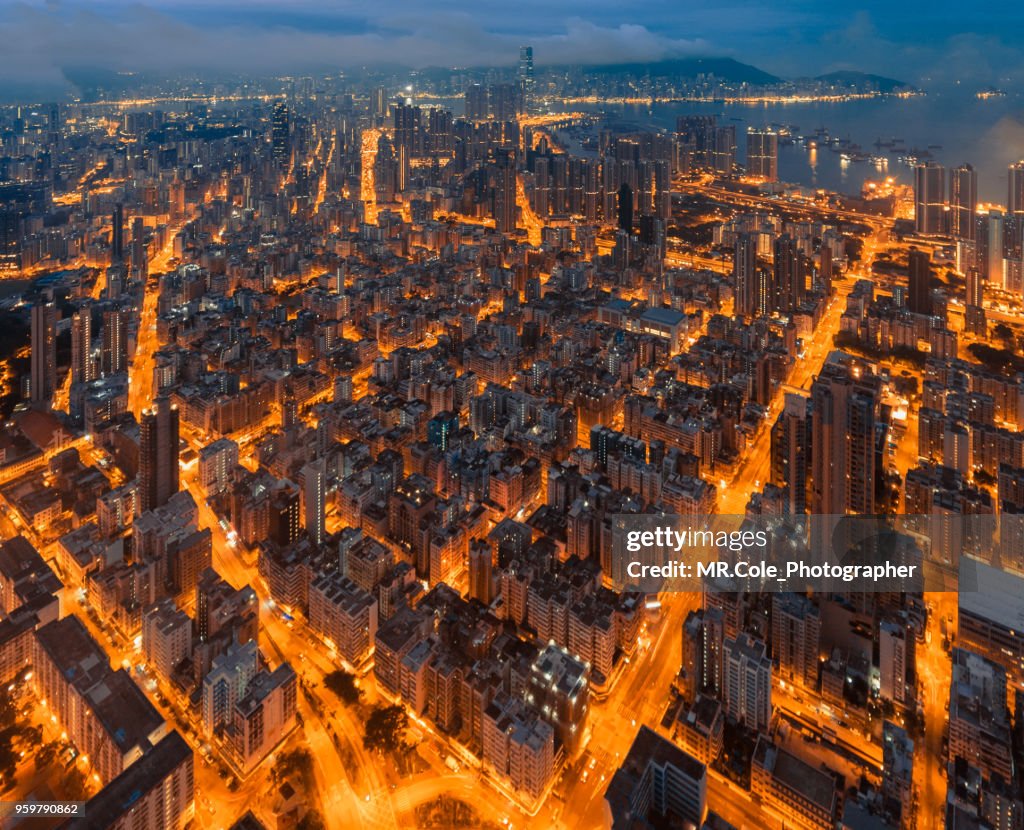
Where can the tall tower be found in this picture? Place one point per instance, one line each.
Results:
(844, 420)
(526, 72)
(505, 193)
(117, 238)
(744, 273)
(82, 370)
(43, 373)
(280, 134)
(763, 154)
(748, 682)
(625, 208)
(1015, 188)
(791, 452)
(919, 296)
(963, 201)
(158, 455)
(1015, 209)
(314, 485)
(724, 151)
(138, 257)
(790, 274)
(114, 350)
(929, 198)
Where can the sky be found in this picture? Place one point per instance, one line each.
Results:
(925, 43)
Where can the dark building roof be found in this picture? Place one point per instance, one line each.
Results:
(121, 794)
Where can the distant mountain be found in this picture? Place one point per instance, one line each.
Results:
(862, 80)
(725, 69)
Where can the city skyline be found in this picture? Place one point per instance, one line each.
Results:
(530, 444)
(915, 42)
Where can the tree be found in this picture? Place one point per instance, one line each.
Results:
(385, 729)
(344, 686)
(311, 821)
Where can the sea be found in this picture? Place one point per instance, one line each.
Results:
(950, 127)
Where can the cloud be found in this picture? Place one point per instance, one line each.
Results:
(265, 37)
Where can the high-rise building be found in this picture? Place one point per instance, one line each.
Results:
(844, 426)
(166, 637)
(975, 319)
(747, 692)
(919, 271)
(898, 769)
(43, 376)
(657, 781)
(314, 491)
(790, 266)
(280, 133)
(723, 156)
(263, 716)
(157, 792)
(441, 428)
(526, 81)
(763, 154)
(895, 660)
(745, 274)
(114, 348)
(117, 235)
(989, 246)
(1015, 189)
(791, 452)
(703, 635)
(477, 107)
(929, 198)
(697, 134)
(625, 208)
(796, 633)
(963, 201)
(505, 193)
(158, 455)
(82, 366)
(226, 683)
(138, 253)
(559, 687)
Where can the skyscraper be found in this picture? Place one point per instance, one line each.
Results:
(724, 151)
(43, 373)
(138, 255)
(117, 237)
(505, 193)
(314, 490)
(963, 201)
(844, 421)
(114, 349)
(1015, 189)
(526, 75)
(158, 455)
(919, 295)
(929, 198)
(625, 208)
(763, 154)
(744, 272)
(82, 369)
(748, 682)
(476, 102)
(280, 133)
(440, 429)
(975, 319)
(790, 282)
(1014, 225)
(791, 452)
